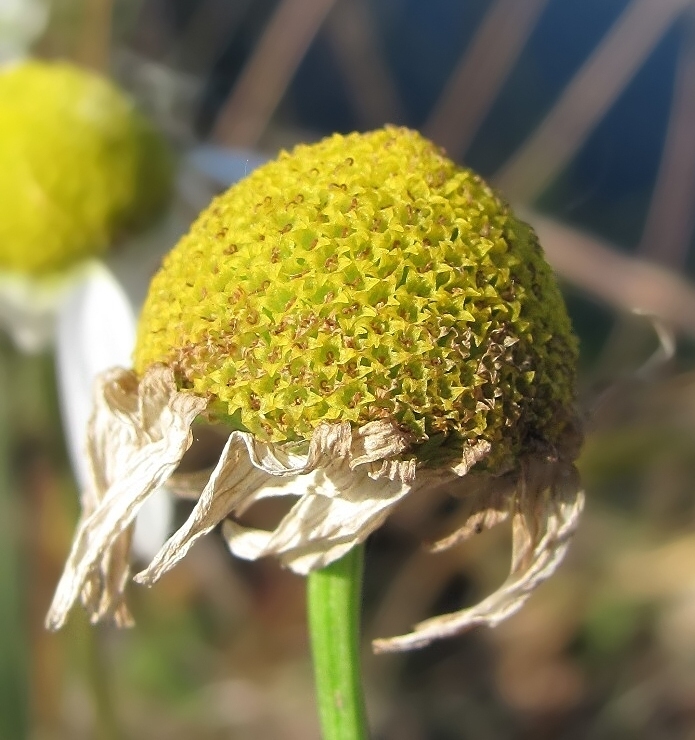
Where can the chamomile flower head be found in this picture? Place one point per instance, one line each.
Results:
(80, 168)
(365, 278)
(369, 320)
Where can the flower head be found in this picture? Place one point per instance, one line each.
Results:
(80, 170)
(369, 321)
(79, 167)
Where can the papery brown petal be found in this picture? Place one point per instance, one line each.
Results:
(339, 503)
(487, 508)
(134, 446)
(236, 476)
(338, 509)
(472, 454)
(403, 470)
(542, 538)
(376, 441)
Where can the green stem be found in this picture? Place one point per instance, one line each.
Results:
(334, 600)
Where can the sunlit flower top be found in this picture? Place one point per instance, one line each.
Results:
(364, 278)
(80, 168)
(369, 321)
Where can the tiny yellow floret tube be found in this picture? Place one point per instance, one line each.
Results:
(366, 277)
(80, 168)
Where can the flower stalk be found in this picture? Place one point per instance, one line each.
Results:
(333, 604)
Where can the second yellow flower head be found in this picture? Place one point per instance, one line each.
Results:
(79, 167)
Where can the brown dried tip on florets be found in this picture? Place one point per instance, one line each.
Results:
(370, 321)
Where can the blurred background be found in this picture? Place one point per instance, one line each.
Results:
(583, 113)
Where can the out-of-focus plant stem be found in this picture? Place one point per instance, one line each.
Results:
(95, 40)
(97, 675)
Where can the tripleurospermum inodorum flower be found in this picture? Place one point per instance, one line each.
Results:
(369, 321)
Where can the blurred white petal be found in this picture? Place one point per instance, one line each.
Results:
(153, 524)
(95, 331)
(28, 305)
(21, 23)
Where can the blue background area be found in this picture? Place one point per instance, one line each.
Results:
(607, 186)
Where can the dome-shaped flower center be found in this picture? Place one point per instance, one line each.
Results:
(79, 167)
(365, 277)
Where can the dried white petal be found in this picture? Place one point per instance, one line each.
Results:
(489, 504)
(340, 502)
(376, 441)
(137, 436)
(338, 508)
(472, 454)
(546, 517)
(28, 305)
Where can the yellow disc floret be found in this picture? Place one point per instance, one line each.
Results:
(366, 277)
(79, 167)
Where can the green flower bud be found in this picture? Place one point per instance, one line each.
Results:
(79, 167)
(365, 278)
